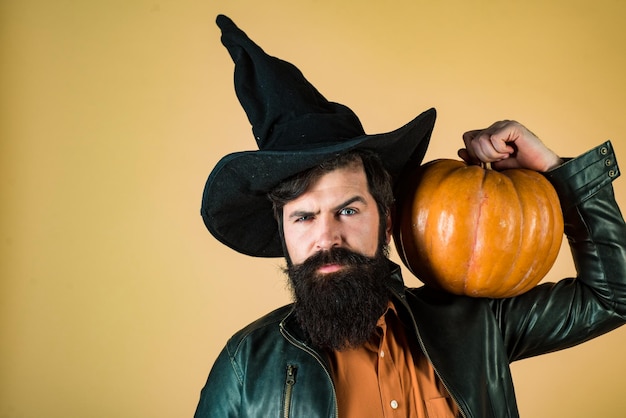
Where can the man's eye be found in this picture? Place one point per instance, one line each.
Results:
(348, 211)
(303, 218)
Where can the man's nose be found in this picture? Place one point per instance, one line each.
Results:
(329, 234)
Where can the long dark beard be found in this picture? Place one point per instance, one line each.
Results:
(340, 310)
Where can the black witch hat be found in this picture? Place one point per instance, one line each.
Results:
(295, 128)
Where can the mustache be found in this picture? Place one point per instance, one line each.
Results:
(336, 255)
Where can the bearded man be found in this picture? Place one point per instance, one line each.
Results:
(356, 342)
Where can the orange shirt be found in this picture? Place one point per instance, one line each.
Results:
(388, 377)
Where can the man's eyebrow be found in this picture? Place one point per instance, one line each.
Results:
(304, 213)
(350, 201)
(300, 214)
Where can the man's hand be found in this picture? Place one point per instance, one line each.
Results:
(508, 144)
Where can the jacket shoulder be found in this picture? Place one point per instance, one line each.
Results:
(259, 329)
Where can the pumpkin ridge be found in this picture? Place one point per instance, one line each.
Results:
(541, 200)
(503, 283)
(440, 194)
(514, 260)
(471, 263)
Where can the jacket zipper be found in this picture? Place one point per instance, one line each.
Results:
(289, 382)
(314, 354)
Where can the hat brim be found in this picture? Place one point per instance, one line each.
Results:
(235, 206)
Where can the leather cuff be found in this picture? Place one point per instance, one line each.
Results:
(578, 179)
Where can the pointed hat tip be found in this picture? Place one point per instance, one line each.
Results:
(224, 21)
(230, 31)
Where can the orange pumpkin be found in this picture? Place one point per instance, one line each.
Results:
(476, 231)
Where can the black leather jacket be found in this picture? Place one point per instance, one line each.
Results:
(267, 370)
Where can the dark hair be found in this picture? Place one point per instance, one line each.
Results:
(378, 180)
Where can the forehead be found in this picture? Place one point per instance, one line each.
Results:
(348, 176)
(346, 181)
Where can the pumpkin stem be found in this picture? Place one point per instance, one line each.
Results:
(485, 165)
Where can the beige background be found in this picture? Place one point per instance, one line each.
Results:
(114, 300)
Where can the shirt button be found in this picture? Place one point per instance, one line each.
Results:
(394, 404)
(382, 353)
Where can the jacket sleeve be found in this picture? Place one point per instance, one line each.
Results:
(221, 396)
(553, 316)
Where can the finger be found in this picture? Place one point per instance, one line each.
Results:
(506, 164)
(486, 151)
(486, 145)
(507, 131)
(501, 143)
(469, 154)
(501, 135)
(499, 126)
(470, 135)
(465, 156)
